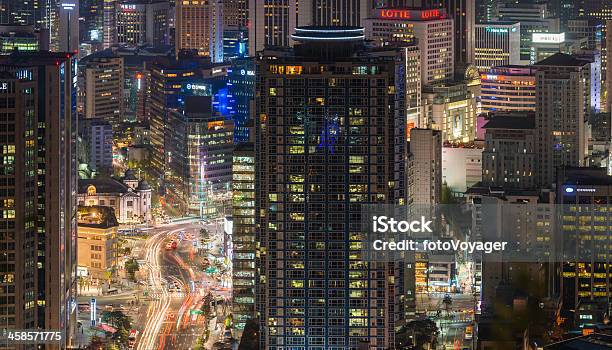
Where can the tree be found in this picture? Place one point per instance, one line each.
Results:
(204, 234)
(131, 267)
(417, 335)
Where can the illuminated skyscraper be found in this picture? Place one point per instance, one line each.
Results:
(497, 44)
(109, 26)
(38, 192)
(103, 87)
(199, 27)
(65, 34)
(508, 88)
(563, 105)
(330, 137)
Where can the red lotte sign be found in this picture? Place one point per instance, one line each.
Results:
(411, 14)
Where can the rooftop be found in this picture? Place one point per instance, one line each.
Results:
(511, 122)
(589, 342)
(96, 216)
(563, 60)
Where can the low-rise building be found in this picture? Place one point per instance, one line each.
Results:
(128, 196)
(97, 241)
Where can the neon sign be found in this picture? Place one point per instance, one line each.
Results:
(412, 14)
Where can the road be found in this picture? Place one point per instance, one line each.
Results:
(167, 317)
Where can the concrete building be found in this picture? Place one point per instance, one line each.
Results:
(39, 179)
(109, 25)
(103, 91)
(199, 27)
(97, 241)
(497, 44)
(65, 34)
(583, 194)
(244, 238)
(432, 29)
(22, 38)
(563, 106)
(544, 45)
(426, 157)
(309, 202)
(508, 88)
(533, 17)
(98, 135)
(509, 157)
(128, 196)
(451, 108)
(461, 166)
(201, 145)
(143, 23)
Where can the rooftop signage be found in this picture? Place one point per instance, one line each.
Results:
(414, 15)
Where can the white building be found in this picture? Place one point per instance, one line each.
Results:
(461, 166)
(130, 197)
(497, 44)
(432, 29)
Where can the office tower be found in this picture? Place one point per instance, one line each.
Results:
(97, 134)
(591, 28)
(339, 13)
(584, 196)
(497, 44)
(97, 241)
(463, 13)
(244, 239)
(533, 17)
(109, 23)
(432, 30)
(236, 13)
(461, 166)
(544, 45)
(168, 83)
(508, 88)
(508, 159)
(562, 107)
(426, 155)
(235, 42)
(103, 93)
(201, 144)
(199, 27)
(271, 23)
(324, 147)
(143, 23)
(91, 12)
(38, 180)
(525, 219)
(22, 38)
(241, 86)
(450, 108)
(65, 34)
(485, 10)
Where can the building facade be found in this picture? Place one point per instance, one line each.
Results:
(98, 135)
(563, 106)
(39, 174)
(199, 27)
(451, 108)
(508, 88)
(128, 196)
(584, 196)
(432, 30)
(426, 159)
(103, 93)
(325, 145)
(97, 242)
(509, 157)
(143, 23)
(497, 44)
(200, 148)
